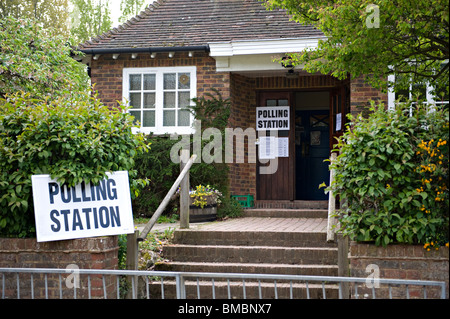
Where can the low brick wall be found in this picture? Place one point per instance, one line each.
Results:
(86, 253)
(400, 262)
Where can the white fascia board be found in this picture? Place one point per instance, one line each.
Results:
(270, 46)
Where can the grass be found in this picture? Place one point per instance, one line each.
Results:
(163, 219)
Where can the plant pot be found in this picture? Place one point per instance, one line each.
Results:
(206, 214)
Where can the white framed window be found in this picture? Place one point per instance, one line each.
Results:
(159, 98)
(424, 91)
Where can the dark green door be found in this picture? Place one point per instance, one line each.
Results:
(312, 147)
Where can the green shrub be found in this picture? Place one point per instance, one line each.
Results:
(213, 111)
(392, 176)
(71, 138)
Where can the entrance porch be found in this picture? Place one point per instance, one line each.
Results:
(318, 105)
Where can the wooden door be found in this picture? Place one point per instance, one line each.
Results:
(281, 184)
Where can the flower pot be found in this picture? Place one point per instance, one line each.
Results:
(206, 213)
(199, 215)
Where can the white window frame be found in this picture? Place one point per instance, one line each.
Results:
(159, 72)
(391, 94)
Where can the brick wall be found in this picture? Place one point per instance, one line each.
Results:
(243, 102)
(86, 253)
(361, 93)
(400, 262)
(106, 73)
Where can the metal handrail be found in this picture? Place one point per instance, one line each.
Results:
(180, 278)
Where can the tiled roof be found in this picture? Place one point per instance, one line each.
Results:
(167, 23)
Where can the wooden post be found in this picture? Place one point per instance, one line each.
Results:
(132, 261)
(184, 192)
(343, 268)
(331, 232)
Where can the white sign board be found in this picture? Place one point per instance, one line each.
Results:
(283, 147)
(271, 147)
(338, 122)
(267, 147)
(85, 210)
(273, 118)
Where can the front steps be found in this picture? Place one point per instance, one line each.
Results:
(272, 244)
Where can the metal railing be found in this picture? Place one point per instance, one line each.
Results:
(20, 283)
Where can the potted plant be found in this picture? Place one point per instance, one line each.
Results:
(203, 203)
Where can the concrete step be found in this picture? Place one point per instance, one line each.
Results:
(251, 254)
(253, 290)
(252, 238)
(252, 268)
(285, 213)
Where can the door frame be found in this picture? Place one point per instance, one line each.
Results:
(262, 95)
(342, 90)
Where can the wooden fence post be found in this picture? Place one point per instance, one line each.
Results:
(132, 261)
(343, 268)
(184, 192)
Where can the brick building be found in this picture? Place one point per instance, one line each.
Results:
(179, 49)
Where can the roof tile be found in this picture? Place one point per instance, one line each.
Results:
(199, 22)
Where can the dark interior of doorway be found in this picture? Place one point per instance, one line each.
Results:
(312, 147)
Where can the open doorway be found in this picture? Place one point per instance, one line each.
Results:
(312, 143)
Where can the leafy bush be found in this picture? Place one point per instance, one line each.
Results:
(213, 111)
(392, 176)
(71, 138)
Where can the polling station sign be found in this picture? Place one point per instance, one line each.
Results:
(85, 210)
(272, 118)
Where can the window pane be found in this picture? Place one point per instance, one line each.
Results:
(149, 100)
(184, 81)
(169, 99)
(169, 81)
(137, 116)
(149, 81)
(271, 103)
(135, 82)
(283, 103)
(184, 118)
(135, 100)
(184, 99)
(149, 119)
(419, 90)
(169, 118)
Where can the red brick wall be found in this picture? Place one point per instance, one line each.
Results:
(361, 93)
(86, 253)
(243, 101)
(411, 262)
(106, 73)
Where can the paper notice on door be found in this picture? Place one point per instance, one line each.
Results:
(267, 147)
(283, 147)
(338, 122)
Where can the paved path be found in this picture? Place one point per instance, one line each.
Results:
(268, 224)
